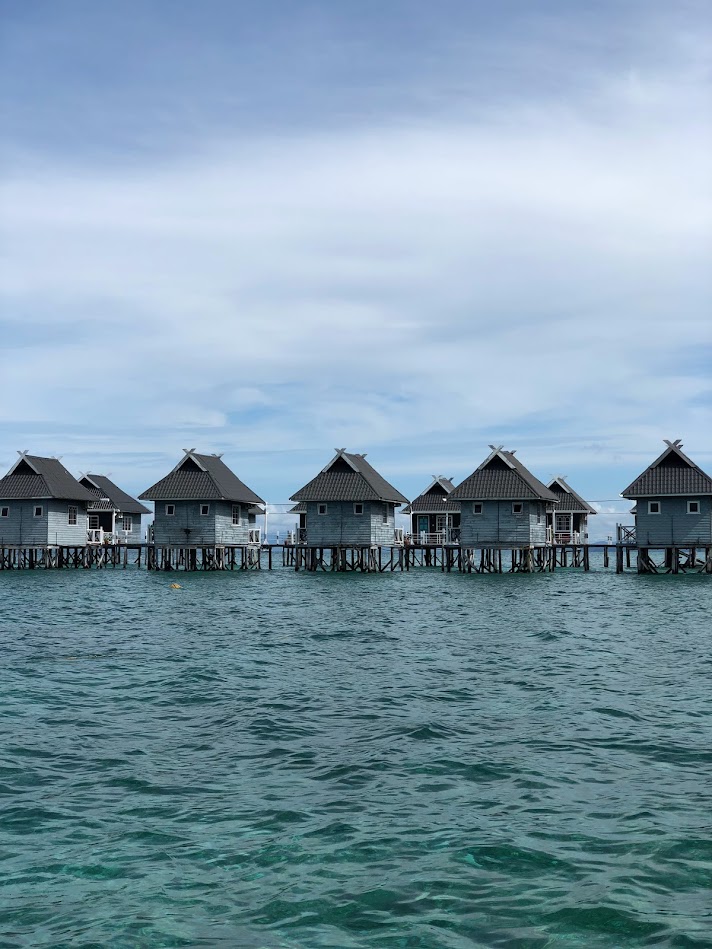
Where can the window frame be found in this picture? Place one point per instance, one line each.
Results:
(322, 509)
(236, 515)
(90, 519)
(5, 511)
(205, 510)
(128, 522)
(480, 505)
(39, 510)
(689, 510)
(358, 504)
(72, 514)
(659, 506)
(171, 512)
(386, 512)
(520, 505)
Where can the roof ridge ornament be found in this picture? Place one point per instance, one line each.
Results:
(189, 451)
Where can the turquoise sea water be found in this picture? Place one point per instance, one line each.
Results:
(401, 760)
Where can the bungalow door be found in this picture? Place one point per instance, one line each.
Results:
(563, 524)
(423, 523)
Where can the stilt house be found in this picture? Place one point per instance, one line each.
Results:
(434, 519)
(201, 502)
(673, 502)
(349, 503)
(42, 504)
(568, 522)
(502, 504)
(113, 515)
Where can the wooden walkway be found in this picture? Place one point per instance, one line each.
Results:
(359, 558)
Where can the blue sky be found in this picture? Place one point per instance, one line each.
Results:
(409, 229)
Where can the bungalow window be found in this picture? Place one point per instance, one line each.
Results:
(72, 515)
(127, 522)
(204, 510)
(170, 510)
(477, 507)
(517, 507)
(385, 512)
(653, 507)
(4, 512)
(93, 522)
(693, 507)
(321, 509)
(236, 515)
(38, 511)
(358, 509)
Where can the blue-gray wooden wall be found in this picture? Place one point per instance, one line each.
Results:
(135, 535)
(496, 526)
(341, 527)
(215, 528)
(53, 527)
(674, 526)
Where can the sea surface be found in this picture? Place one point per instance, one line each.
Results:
(289, 760)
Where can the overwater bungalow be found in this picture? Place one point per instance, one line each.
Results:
(568, 522)
(202, 503)
(434, 519)
(673, 501)
(348, 504)
(502, 504)
(42, 504)
(113, 516)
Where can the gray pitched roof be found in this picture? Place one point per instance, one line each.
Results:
(434, 500)
(103, 488)
(349, 477)
(568, 499)
(502, 477)
(670, 474)
(201, 478)
(35, 477)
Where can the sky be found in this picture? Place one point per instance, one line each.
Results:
(404, 228)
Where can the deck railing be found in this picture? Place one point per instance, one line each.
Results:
(435, 538)
(97, 536)
(625, 535)
(567, 537)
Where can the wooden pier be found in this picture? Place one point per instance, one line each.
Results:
(675, 560)
(53, 557)
(360, 558)
(220, 557)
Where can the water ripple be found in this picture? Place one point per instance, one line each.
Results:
(283, 761)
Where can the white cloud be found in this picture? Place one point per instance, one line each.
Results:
(541, 273)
